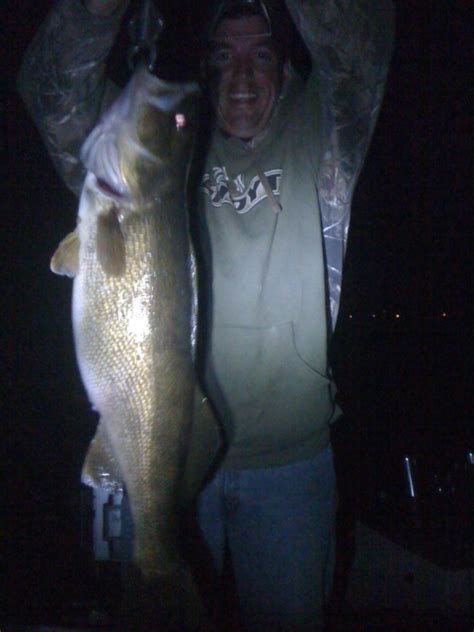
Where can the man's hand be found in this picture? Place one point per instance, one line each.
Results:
(103, 8)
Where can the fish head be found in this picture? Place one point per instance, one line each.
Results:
(143, 143)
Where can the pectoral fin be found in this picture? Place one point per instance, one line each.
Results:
(65, 260)
(100, 469)
(110, 244)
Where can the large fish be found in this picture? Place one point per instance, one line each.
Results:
(134, 321)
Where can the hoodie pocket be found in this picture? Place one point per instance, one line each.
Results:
(270, 393)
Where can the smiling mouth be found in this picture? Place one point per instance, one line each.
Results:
(243, 97)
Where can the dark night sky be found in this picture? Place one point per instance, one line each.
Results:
(409, 252)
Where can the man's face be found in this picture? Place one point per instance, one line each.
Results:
(245, 76)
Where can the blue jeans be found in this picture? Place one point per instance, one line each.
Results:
(278, 526)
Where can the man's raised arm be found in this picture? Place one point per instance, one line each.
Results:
(350, 43)
(62, 78)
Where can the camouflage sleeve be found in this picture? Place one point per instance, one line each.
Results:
(62, 81)
(350, 42)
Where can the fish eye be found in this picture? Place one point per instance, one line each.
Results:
(180, 120)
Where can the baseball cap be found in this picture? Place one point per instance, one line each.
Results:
(274, 12)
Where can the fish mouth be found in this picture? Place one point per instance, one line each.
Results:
(108, 189)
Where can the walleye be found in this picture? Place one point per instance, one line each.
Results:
(134, 321)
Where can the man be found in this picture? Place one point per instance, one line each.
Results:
(274, 208)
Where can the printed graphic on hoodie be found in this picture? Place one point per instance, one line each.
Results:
(243, 197)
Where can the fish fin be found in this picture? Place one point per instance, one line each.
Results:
(110, 244)
(65, 260)
(205, 447)
(100, 469)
